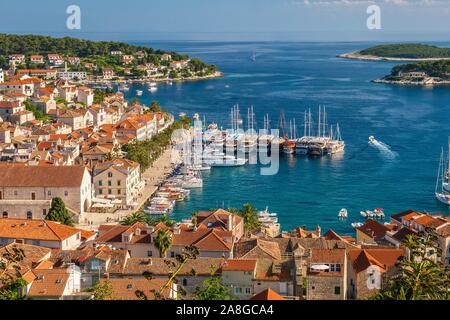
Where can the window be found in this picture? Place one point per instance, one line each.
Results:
(118, 182)
(29, 215)
(49, 193)
(5, 214)
(248, 291)
(337, 290)
(149, 253)
(100, 183)
(109, 183)
(109, 191)
(110, 174)
(44, 212)
(185, 282)
(338, 268)
(172, 254)
(119, 191)
(15, 192)
(100, 191)
(238, 290)
(66, 193)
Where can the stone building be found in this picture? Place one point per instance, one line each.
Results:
(27, 191)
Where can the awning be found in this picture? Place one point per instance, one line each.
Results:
(320, 267)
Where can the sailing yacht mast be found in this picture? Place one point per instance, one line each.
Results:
(318, 129)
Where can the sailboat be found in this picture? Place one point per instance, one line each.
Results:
(289, 143)
(446, 177)
(440, 193)
(266, 138)
(250, 139)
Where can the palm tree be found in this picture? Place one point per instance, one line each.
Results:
(163, 242)
(421, 276)
(134, 218)
(250, 215)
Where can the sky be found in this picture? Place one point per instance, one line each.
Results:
(232, 20)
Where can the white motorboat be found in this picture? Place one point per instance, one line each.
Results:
(343, 213)
(152, 89)
(372, 139)
(192, 182)
(357, 224)
(363, 213)
(139, 93)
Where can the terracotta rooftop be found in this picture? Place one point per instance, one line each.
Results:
(373, 229)
(125, 289)
(361, 259)
(267, 294)
(239, 265)
(35, 230)
(48, 176)
(49, 283)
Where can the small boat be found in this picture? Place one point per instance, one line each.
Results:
(372, 139)
(356, 224)
(343, 213)
(363, 213)
(139, 93)
(152, 89)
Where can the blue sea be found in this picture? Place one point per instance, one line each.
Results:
(411, 123)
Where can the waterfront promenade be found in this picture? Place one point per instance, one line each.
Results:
(152, 177)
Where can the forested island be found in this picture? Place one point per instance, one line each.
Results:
(399, 52)
(98, 59)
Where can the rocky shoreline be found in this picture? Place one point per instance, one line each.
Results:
(427, 82)
(357, 56)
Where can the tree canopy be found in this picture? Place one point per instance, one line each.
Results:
(58, 212)
(421, 276)
(407, 50)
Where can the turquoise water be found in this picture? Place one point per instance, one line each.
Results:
(413, 122)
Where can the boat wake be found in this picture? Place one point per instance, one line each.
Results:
(385, 150)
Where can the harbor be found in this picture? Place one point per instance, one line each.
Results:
(313, 188)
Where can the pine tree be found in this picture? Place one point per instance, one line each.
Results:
(58, 212)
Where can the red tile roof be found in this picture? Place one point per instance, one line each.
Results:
(239, 265)
(267, 294)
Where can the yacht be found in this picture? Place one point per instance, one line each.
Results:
(441, 194)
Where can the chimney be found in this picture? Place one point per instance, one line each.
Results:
(318, 230)
(230, 222)
(176, 229)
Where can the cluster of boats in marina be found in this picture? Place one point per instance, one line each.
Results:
(173, 189)
(326, 140)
